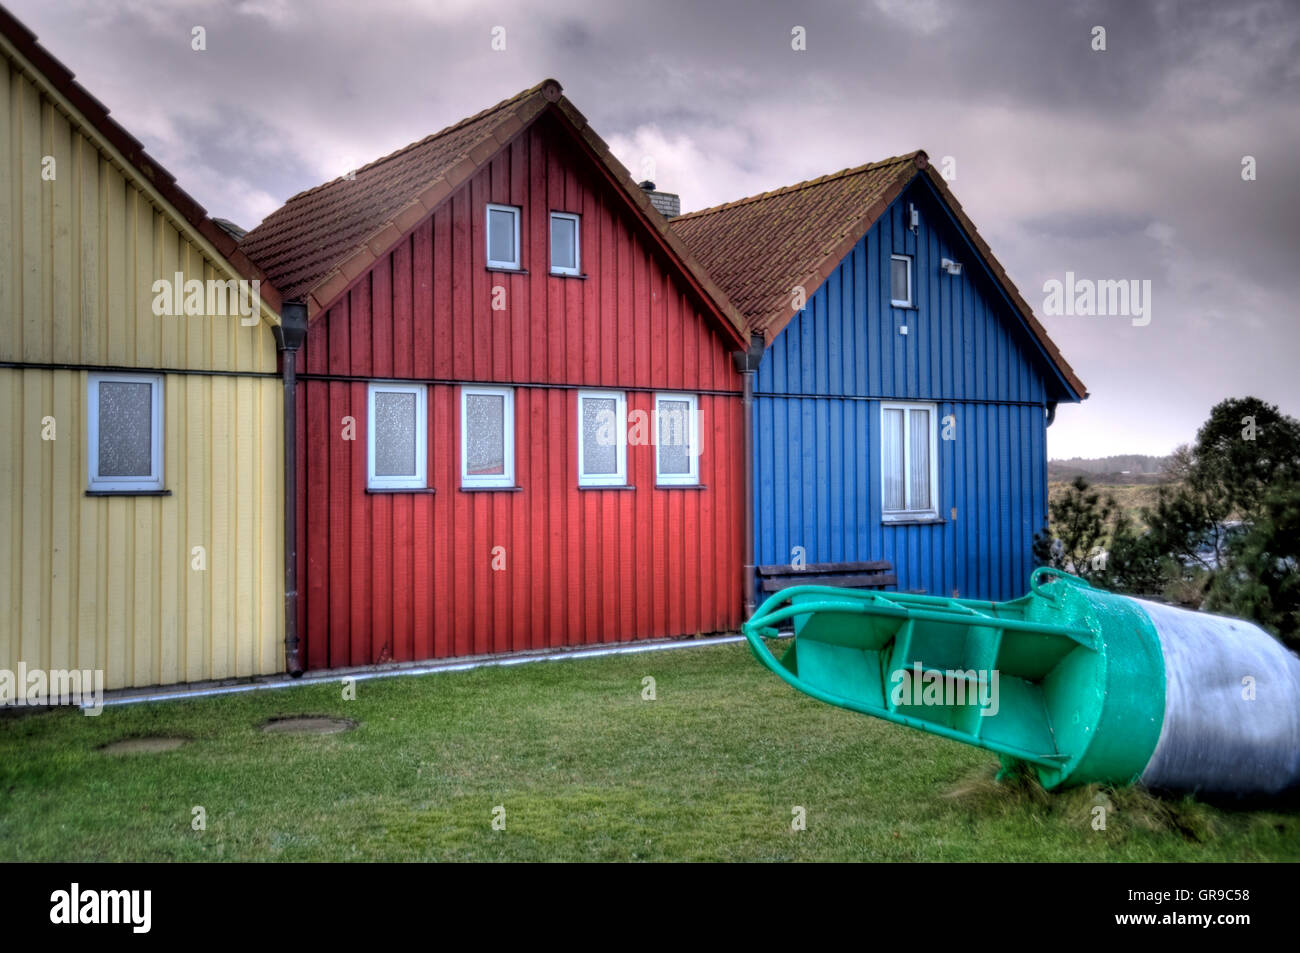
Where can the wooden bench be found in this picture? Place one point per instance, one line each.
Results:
(872, 575)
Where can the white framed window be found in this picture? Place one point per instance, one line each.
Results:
(602, 438)
(487, 436)
(565, 244)
(125, 432)
(677, 439)
(502, 236)
(909, 461)
(900, 281)
(396, 437)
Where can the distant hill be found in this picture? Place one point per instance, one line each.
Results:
(1124, 468)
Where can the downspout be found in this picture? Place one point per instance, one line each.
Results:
(747, 364)
(289, 335)
(1051, 416)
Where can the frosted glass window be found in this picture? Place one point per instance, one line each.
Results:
(893, 459)
(485, 423)
(600, 452)
(125, 429)
(502, 236)
(125, 432)
(900, 281)
(564, 243)
(907, 461)
(487, 436)
(676, 439)
(602, 438)
(394, 434)
(397, 437)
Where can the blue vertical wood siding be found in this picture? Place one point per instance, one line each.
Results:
(817, 416)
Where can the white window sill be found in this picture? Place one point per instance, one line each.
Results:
(103, 492)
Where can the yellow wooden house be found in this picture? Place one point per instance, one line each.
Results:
(141, 412)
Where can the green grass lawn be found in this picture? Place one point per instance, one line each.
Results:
(585, 769)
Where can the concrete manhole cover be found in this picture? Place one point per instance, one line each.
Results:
(143, 745)
(309, 725)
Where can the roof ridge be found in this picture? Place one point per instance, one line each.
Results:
(798, 186)
(481, 114)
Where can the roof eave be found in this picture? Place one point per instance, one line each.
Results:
(1051, 352)
(714, 299)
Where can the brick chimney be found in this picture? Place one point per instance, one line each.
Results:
(669, 204)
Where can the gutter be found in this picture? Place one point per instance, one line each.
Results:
(746, 362)
(289, 335)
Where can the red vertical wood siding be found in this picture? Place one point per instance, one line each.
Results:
(408, 576)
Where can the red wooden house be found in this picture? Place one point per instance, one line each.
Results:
(488, 308)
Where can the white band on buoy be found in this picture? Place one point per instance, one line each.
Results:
(1232, 706)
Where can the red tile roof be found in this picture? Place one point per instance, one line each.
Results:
(758, 249)
(319, 229)
(322, 239)
(96, 115)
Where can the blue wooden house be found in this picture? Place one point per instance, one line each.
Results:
(901, 386)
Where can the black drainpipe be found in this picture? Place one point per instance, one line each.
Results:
(746, 363)
(289, 336)
(1051, 414)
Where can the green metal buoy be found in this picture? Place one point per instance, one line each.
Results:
(1082, 684)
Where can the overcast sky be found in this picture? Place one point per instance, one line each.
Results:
(1122, 164)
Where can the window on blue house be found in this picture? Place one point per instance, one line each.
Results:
(909, 461)
(900, 281)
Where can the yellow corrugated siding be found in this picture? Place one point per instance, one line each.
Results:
(79, 256)
(107, 582)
